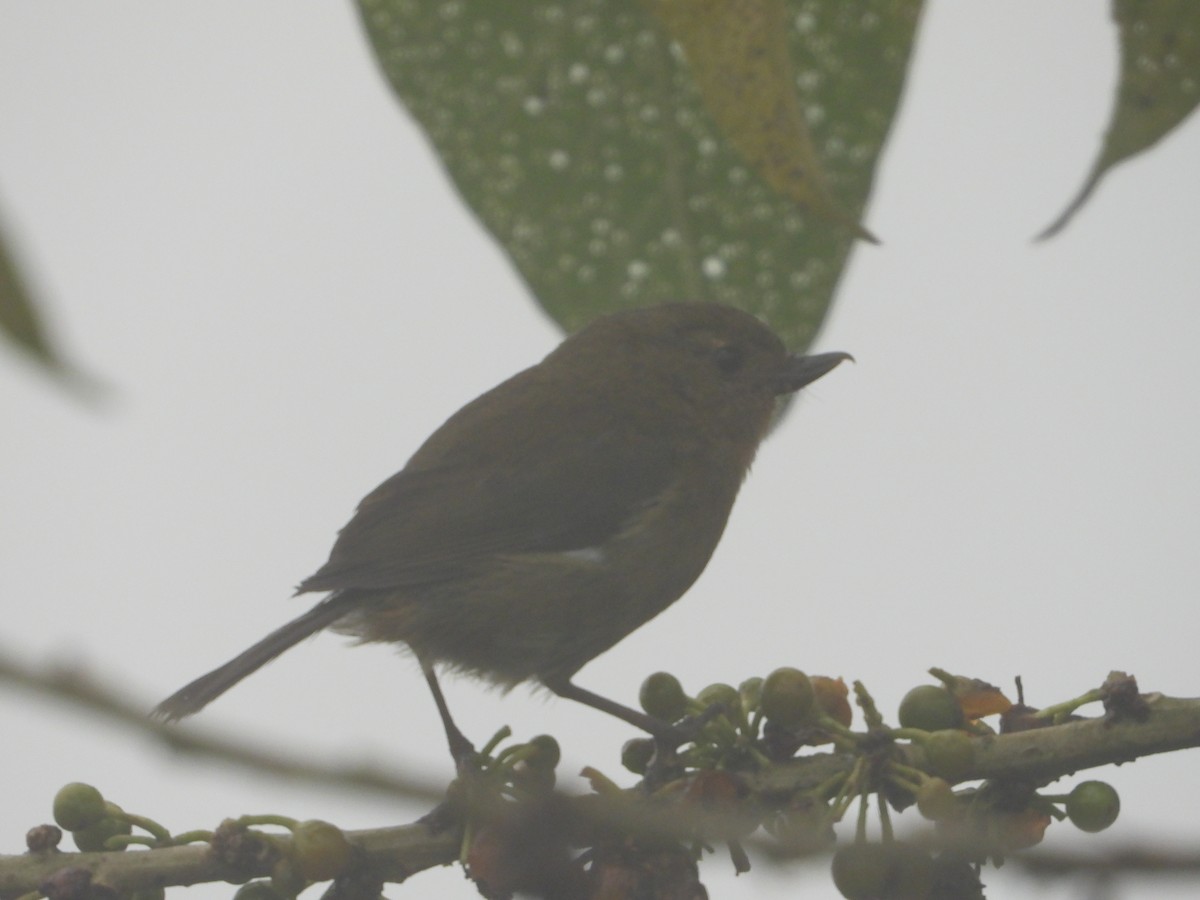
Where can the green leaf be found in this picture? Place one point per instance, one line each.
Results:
(1158, 88)
(21, 323)
(19, 319)
(578, 135)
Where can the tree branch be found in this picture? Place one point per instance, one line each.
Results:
(391, 854)
(76, 688)
(1153, 724)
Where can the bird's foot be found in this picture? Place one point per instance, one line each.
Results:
(452, 811)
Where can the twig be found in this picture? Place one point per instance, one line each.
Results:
(79, 689)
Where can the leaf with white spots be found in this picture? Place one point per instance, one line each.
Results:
(578, 134)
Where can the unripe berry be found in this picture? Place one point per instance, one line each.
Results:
(636, 755)
(1093, 805)
(951, 753)
(78, 805)
(860, 871)
(930, 708)
(95, 836)
(787, 697)
(723, 694)
(546, 752)
(320, 850)
(662, 697)
(936, 800)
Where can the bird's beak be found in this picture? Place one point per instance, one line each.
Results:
(802, 370)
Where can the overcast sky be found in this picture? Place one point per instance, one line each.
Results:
(238, 230)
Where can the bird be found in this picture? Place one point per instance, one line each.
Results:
(556, 513)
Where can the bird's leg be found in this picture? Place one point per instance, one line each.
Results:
(449, 813)
(461, 749)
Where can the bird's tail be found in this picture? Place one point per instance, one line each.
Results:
(198, 694)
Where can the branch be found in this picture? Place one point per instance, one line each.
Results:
(1039, 756)
(1150, 724)
(1129, 860)
(390, 854)
(78, 689)
(1045, 754)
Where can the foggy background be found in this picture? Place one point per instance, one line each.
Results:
(237, 229)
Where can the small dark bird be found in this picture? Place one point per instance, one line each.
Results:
(553, 515)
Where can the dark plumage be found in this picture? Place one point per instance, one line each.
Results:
(556, 513)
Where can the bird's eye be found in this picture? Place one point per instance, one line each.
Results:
(729, 358)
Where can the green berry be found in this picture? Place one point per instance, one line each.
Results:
(861, 871)
(930, 708)
(911, 873)
(787, 697)
(891, 871)
(662, 697)
(724, 695)
(545, 753)
(951, 753)
(320, 850)
(636, 755)
(936, 800)
(1093, 805)
(78, 805)
(95, 836)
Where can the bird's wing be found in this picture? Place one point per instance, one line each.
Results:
(431, 522)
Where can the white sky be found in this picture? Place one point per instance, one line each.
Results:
(241, 233)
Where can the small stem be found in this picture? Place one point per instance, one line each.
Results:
(502, 735)
(1060, 711)
(160, 834)
(849, 789)
(946, 678)
(199, 835)
(845, 796)
(904, 783)
(833, 783)
(906, 771)
(756, 723)
(885, 820)
(860, 827)
(760, 758)
(837, 729)
(511, 755)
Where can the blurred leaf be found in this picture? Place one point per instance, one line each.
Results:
(21, 324)
(1159, 85)
(578, 134)
(18, 318)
